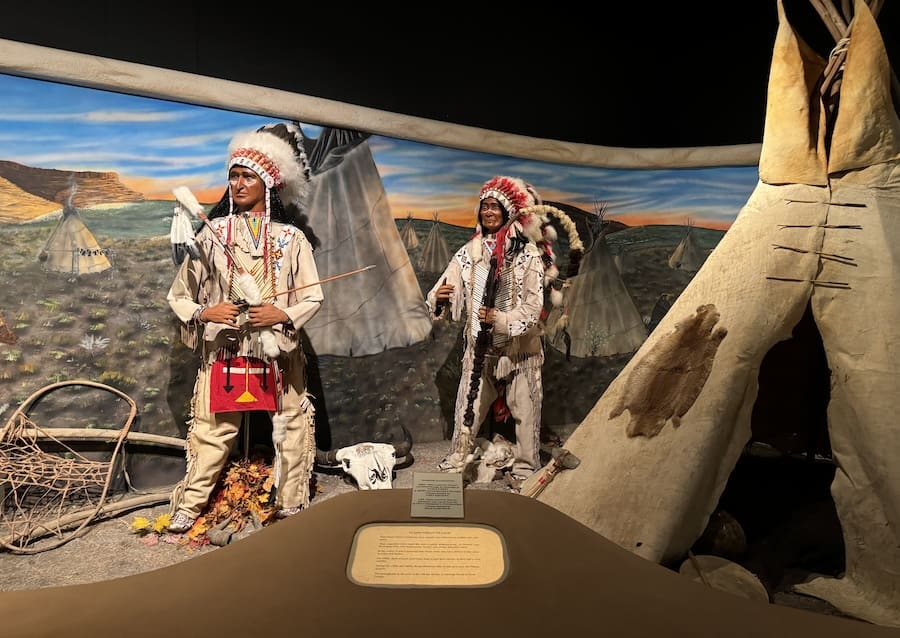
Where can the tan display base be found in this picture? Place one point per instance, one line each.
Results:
(290, 579)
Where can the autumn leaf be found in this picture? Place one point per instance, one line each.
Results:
(199, 529)
(243, 494)
(150, 540)
(140, 524)
(161, 522)
(196, 543)
(236, 492)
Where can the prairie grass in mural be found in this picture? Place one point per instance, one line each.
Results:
(115, 327)
(126, 153)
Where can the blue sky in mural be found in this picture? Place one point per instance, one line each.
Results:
(156, 144)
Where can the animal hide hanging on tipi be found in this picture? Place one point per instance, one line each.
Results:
(818, 232)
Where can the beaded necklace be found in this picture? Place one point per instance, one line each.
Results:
(263, 271)
(487, 248)
(254, 225)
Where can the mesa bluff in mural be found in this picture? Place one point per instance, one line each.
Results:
(27, 192)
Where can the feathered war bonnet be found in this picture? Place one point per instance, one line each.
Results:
(528, 216)
(515, 195)
(275, 152)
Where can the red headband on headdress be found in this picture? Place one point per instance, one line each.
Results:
(259, 163)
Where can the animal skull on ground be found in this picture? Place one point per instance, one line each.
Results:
(495, 457)
(370, 464)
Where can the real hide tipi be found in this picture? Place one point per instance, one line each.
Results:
(598, 316)
(380, 308)
(435, 251)
(72, 247)
(819, 235)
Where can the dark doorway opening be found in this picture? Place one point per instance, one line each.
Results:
(778, 494)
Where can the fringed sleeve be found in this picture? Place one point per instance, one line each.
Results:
(186, 298)
(452, 275)
(304, 303)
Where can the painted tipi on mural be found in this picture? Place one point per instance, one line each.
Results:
(72, 247)
(435, 251)
(598, 316)
(687, 256)
(383, 307)
(816, 237)
(408, 233)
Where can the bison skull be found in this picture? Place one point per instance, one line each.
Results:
(370, 464)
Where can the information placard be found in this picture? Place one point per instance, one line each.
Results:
(437, 495)
(427, 555)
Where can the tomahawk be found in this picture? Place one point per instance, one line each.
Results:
(561, 460)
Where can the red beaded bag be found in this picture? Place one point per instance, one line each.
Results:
(240, 384)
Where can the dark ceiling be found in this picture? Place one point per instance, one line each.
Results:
(642, 75)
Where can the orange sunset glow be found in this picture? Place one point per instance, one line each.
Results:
(156, 189)
(451, 209)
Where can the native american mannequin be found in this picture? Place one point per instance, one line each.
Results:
(243, 296)
(510, 361)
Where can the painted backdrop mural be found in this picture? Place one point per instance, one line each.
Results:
(86, 179)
